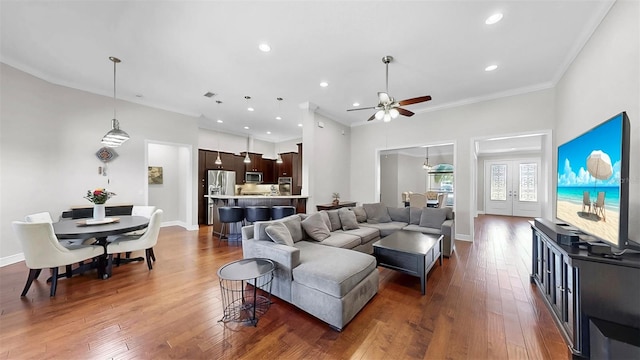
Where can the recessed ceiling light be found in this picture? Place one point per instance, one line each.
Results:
(246, 128)
(356, 104)
(264, 47)
(268, 132)
(219, 121)
(324, 84)
(250, 109)
(493, 19)
(278, 118)
(300, 125)
(491, 67)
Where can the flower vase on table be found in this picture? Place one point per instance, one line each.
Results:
(99, 197)
(98, 212)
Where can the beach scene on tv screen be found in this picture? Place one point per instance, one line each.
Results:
(588, 193)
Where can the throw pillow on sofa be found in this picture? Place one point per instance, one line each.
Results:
(279, 233)
(415, 214)
(433, 217)
(348, 219)
(376, 213)
(361, 215)
(399, 214)
(334, 220)
(316, 227)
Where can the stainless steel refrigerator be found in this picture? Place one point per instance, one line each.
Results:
(220, 182)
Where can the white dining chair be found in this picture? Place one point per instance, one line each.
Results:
(144, 242)
(42, 250)
(45, 217)
(417, 200)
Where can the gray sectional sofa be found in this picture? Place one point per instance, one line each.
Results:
(426, 220)
(318, 270)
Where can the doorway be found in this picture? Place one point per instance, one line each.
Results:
(173, 193)
(512, 187)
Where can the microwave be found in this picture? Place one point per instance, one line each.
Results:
(253, 177)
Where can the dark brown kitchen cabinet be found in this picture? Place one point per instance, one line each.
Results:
(268, 174)
(202, 186)
(256, 162)
(228, 161)
(285, 169)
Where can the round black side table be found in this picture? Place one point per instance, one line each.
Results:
(245, 287)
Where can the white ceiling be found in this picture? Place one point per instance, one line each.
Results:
(174, 52)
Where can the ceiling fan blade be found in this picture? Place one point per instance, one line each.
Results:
(404, 112)
(414, 100)
(364, 108)
(372, 117)
(384, 98)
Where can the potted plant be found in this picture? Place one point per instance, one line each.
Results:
(336, 198)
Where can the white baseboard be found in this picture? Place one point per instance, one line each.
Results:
(464, 237)
(480, 212)
(11, 259)
(181, 224)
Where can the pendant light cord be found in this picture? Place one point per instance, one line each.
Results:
(114, 88)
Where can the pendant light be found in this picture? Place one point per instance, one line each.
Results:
(426, 165)
(279, 158)
(218, 160)
(115, 137)
(247, 159)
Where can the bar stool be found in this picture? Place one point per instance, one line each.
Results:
(278, 212)
(257, 213)
(229, 215)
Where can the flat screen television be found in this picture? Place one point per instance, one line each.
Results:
(592, 192)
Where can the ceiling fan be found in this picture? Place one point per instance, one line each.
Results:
(387, 107)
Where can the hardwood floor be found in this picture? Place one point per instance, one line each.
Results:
(479, 305)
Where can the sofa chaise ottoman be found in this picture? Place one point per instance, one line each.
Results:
(322, 278)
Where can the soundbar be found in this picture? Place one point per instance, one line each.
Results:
(556, 232)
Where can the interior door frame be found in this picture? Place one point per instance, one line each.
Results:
(547, 166)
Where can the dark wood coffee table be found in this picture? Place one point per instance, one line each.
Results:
(410, 252)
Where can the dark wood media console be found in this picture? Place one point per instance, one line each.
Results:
(584, 292)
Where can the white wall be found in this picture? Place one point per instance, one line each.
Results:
(604, 80)
(389, 179)
(49, 135)
(326, 159)
(411, 176)
(515, 114)
(166, 196)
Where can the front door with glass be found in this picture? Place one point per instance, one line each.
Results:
(511, 187)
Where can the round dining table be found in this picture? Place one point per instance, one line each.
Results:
(80, 229)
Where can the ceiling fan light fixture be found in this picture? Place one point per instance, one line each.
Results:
(387, 117)
(394, 113)
(379, 114)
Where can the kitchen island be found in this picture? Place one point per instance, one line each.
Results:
(215, 201)
(256, 200)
